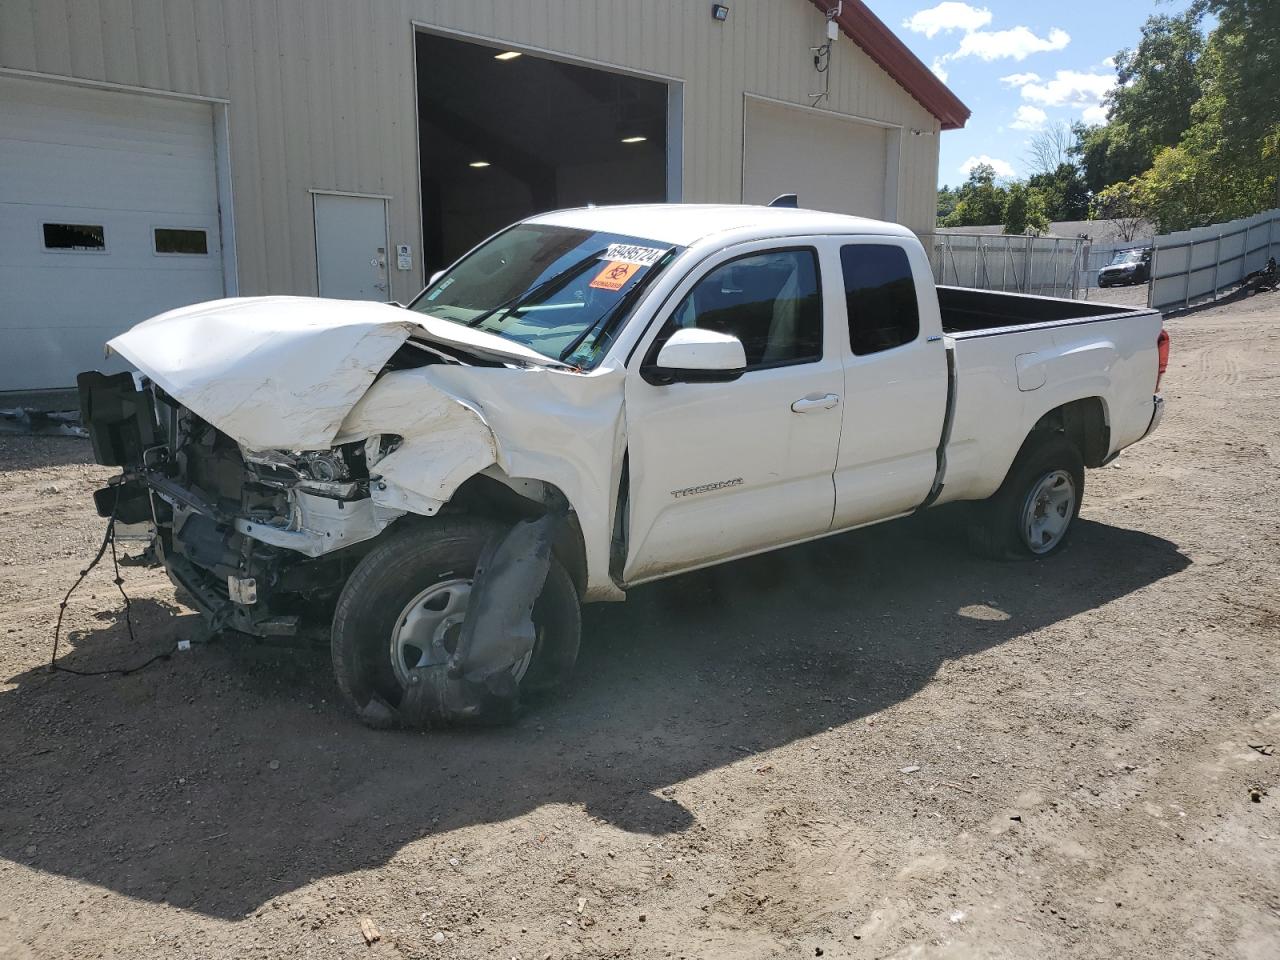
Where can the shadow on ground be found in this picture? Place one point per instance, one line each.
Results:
(229, 775)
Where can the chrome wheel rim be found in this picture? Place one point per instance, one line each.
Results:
(426, 632)
(1048, 511)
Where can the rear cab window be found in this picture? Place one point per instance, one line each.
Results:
(880, 293)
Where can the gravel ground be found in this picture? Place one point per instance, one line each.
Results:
(871, 747)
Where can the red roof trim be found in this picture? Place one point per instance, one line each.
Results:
(869, 32)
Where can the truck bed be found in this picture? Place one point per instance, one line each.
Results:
(966, 310)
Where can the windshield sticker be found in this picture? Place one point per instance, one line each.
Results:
(441, 289)
(629, 253)
(614, 275)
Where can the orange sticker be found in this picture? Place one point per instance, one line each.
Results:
(614, 275)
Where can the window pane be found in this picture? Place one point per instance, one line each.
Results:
(769, 301)
(74, 236)
(881, 296)
(170, 240)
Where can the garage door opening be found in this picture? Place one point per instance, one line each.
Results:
(504, 135)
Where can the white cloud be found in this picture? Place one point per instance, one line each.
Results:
(1028, 118)
(1017, 43)
(939, 70)
(1020, 79)
(1069, 88)
(1095, 114)
(948, 16)
(1002, 168)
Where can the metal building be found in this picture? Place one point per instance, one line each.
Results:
(161, 152)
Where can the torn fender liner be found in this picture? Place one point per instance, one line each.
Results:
(497, 634)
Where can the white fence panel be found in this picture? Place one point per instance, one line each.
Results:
(1194, 265)
(1046, 266)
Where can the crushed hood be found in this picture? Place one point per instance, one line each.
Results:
(282, 372)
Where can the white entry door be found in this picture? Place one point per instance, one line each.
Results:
(351, 247)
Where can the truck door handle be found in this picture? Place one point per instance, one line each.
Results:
(810, 404)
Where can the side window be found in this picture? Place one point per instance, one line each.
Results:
(881, 295)
(769, 301)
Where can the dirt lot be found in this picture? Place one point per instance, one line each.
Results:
(872, 747)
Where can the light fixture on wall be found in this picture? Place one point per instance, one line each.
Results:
(635, 139)
(478, 164)
(508, 55)
(719, 12)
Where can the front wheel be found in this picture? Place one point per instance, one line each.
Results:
(403, 608)
(1035, 509)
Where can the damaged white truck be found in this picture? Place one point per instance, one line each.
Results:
(590, 400)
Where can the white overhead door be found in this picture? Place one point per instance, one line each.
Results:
(831, 163)
(108, 215)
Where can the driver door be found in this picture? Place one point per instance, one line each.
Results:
(719, 470)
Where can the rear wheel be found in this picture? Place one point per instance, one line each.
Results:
(1035, 509)
(403, 609)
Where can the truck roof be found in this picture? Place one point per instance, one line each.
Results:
(687, 223)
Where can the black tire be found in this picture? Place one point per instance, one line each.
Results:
(409, 561)
(996, 529)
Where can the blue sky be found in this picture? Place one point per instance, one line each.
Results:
(1018, 65)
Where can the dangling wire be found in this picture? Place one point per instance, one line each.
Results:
(108, 541)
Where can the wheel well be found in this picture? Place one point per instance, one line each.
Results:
(1085, 424)
(486, 496)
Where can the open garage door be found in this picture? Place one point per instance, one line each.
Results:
(108, 215)
(831, 163)
(505, 134)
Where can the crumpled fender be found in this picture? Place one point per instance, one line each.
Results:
(446, 441)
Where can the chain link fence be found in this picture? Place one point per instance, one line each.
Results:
(1045, 266)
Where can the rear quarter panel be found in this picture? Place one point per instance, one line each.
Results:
(1114, 359)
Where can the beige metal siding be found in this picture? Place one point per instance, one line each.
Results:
(322, 91)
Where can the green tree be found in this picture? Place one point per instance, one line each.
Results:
(1224, 165)
(1157, 83)
(1024, 210)
(980, 200)
(1105, 155)
(1128, 205)
(1150, 106)
(947, 200)
(1064, 192)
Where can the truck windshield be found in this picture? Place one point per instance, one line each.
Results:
(558, 290)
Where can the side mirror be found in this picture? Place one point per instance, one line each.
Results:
(697, 356)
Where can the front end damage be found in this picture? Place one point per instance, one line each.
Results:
(260, 541)
(272, 443)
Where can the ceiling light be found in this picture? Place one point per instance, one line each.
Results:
(634, 139)
(478, 164)
(509, 55)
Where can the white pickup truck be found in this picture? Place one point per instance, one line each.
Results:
(587, 401)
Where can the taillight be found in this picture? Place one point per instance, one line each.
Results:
(1162, 347)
